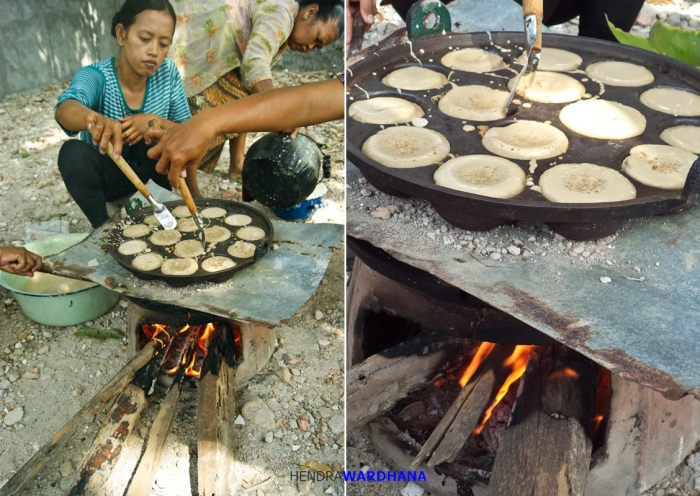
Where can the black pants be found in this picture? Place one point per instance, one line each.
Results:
(591, 13)
(93, 179)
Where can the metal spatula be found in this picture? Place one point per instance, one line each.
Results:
(532, 14)
(163, 215)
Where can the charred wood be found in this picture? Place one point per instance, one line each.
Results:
(378, 383)
(463, 416)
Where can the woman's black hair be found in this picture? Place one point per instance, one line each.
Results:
(131, 8)
(328, 11)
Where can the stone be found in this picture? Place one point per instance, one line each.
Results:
(605, 280)
(412, 489)
(337, 423)
(14, 416)
(66, 468)
(381, 213)
(239, 421)
(303, 424)
(269, 437)
(257, 412)
(285, 375)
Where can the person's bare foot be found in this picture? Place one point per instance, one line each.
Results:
(235, 170)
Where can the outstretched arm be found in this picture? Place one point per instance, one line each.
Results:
(275, 110)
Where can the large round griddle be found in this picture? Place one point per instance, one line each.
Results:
(475, 212)
(261, 246)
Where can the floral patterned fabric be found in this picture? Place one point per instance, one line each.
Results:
(212, 37)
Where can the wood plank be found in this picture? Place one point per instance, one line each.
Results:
(107, 446)
(216, 411)
(102, 401)
(378, 383)
(546, 451)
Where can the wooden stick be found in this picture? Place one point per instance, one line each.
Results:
(462, 417)
(216, 411)
(392, 446)
(158, 434)
(546, 451)
(378, 383)
(107, 446)
(100, 402)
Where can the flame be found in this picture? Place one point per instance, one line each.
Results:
(480, 355)
(597, 422)
(565, 372)
(518, 362)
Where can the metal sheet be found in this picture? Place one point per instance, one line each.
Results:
(269, 291)
(647, 332)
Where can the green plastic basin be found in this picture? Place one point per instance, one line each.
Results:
(54, 300)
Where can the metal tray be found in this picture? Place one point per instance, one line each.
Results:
(475, 212)
(261, 245)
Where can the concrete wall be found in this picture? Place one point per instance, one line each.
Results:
(44, 42)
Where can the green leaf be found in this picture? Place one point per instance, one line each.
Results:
(90, 332)
(630, 39)
(677, 43)
(25, 154)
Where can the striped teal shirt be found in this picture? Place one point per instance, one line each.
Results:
(96, 86)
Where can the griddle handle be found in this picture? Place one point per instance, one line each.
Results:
(691, 190)
(534, 7)
(427, 17)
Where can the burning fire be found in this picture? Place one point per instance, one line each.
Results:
(484, 350)
(189, 347)
(517, 362)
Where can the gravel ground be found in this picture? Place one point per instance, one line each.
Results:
(505, 244)
(293, 407)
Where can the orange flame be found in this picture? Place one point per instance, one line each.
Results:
(565, 372)
(480, 355)
(518, 362)
(597, 422)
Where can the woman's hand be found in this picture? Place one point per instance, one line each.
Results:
(180, 146)
(134, 127)
(105, 131)
(367, 10)
(19, 261)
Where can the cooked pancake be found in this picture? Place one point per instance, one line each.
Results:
(216, 234)
(213, 212)
(217, 264)
(136, 231)
(181, 211)
(151, 221)
(554, 59)
(238, 220)
(384, 110)
(685, 137)
(186, 224)
(672, 101)
(406, 146)
(476, 103)
(147, 261)
(241, 249)
(616, 73)
(484, 175)
(551, 87)
(603, 119)
(415, 78)
(585, 183)
(526, 140)
(189, 248)
(659, 166)
(166, 237)
(473, 60)
(250, 233)
(132, 247)
(179, 267)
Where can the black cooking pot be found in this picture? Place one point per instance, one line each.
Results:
(280, 172)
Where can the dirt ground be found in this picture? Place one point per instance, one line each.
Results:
(296, 403)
